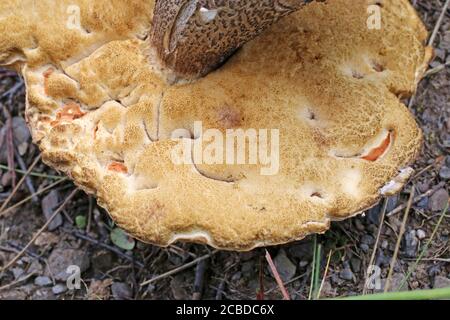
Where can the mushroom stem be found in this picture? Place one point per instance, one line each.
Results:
(193, 37)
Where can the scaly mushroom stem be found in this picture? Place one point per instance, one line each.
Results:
(192, 37)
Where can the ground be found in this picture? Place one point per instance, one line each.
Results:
(81, 233)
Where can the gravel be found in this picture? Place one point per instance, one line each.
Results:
(285, 267)
(61, 259)
(43, 281)
(439, 200)
(121, 291)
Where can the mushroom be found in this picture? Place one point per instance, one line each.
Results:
(143, 104)
(193, 37)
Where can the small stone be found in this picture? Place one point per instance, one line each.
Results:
(21, 135)
(367, 239)
(423, 186)
(59, 289)
(303, 263)
(284, 266)
(384, 244)
(46, 238)
(336, 280)
(439, 200)
(61, 259)
(121, 291)
(6, 179)
(43, 281)
(444, 173)
(178, 291)
(364, 247)
(411, 243)
(346, 274)
(421, 234)
(328, 291)
(302, 251)
(49, 204)
(43, 294)
(35, 267)
(236, 277)
(395, 284)
(11, 295)
(359, 226)
(355, 264)
(382, 260)
(17, 272)
(441, 282)
(423, 203)
(434, 270)
(447, 158)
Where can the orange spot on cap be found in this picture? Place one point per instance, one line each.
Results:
(118, 167)
(69, 112)
(377, 152)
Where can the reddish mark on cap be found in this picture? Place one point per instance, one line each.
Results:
(69, 112)
(377, 152)
(229, 118)
(46, 75)
(118, 167)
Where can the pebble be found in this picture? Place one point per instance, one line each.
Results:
(355, 264)
(43, 281)
(12, 295)
(396, 281)
(236, 277)
(374, 214)
(423, 203)
(421, 234)
(43, 294)
(444, 173)
(364, 247)
(439, 200)
(285, 267)
(441, 282)
(303, 263)
(17, 272)
(434, 270)
(21, 137)
(60, 259)
(382, 260)
(423, 186)
(367, 239)
(49, 204)
(302, 251)
(35, 267)
(121, 291)
(346, 274)
(359, 225)
(411, 243)
(59, 289)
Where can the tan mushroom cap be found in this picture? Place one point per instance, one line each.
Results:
(100, 112)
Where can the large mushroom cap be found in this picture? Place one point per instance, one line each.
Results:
(100, 111)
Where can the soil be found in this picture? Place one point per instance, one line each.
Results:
(80, 234)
